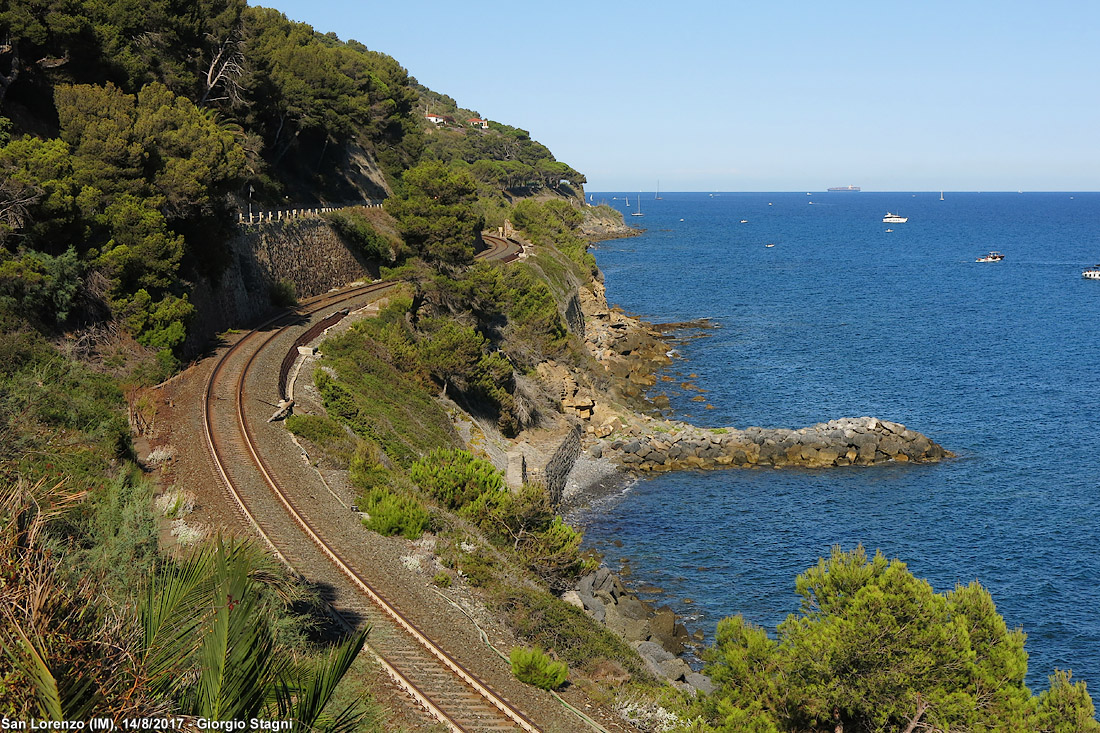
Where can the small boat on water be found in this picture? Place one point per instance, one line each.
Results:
(639, 211)
(744, 221)
(1093, 273)
(889, 230)
(894, 218)
(991, 257)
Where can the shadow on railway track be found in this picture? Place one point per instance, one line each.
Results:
(329, 629)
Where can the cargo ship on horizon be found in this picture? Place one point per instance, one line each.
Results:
(844, 188)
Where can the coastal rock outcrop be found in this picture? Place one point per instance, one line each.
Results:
(603, 222)
(655, 633)
(632, 353)
(860, 441)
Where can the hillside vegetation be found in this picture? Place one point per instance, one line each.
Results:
(130, 141)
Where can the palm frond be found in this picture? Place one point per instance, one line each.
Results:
(172, 612)
(317, 686)
(237, 655)
(26, 658)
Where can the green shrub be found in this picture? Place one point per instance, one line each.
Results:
(455, 477)
(870, 644)
(553, 553)
(327, 435)
(533, 317)
(160, 325)
(524, 521)
(392, 514)
(282, 294)
(543, 620)
(367, 469)
(442, 579)
(355, 229)
(533, 667)
(380, 401)
(478, 567)
(41, 286)
(315, 428)
(555, 223)
(59, 418)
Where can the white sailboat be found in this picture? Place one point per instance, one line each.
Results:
(941, 195)
(639, 211)
(657, 195)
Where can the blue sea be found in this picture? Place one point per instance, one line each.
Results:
(998, 362)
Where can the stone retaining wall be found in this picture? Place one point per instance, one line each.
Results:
(560, 464)
(861, 441)
(305, 253)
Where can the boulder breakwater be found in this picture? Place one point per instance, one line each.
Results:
(861, 441)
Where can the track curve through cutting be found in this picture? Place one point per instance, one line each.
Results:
(444, 687)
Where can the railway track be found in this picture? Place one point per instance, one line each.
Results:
(435, 680)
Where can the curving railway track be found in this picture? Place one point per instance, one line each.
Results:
(280, 511)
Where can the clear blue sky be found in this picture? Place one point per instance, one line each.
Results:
(765, 96)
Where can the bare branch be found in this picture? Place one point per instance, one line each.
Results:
(50, 62)
(16, 198)
(225, 71)
(914, 722)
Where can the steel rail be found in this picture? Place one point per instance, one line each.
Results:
(499, 249)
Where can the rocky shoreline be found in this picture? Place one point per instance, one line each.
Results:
(610, 405)
(655, 633)
(620, 441)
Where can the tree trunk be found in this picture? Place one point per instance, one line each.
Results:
(6, 80)
(922, 708)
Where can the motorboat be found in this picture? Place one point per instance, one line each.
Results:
(1093, 273)
(991, 257)
(894, 218)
